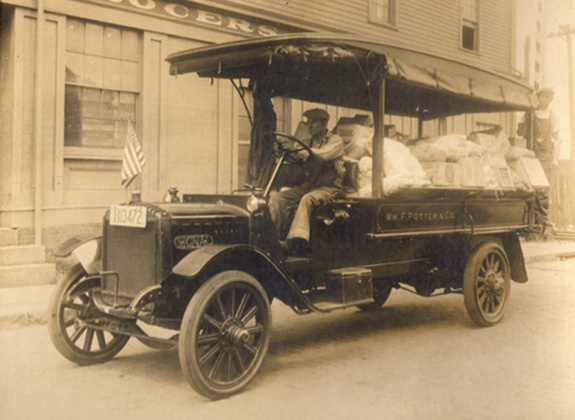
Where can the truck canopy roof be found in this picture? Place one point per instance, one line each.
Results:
(341, 70)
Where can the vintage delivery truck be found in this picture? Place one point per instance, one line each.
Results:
(209, 266)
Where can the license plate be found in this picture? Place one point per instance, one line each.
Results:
(130, 216)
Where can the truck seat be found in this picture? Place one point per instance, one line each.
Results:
(351, 179)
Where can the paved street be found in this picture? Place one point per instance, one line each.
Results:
(415, 359)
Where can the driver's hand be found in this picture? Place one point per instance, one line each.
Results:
(287, 144)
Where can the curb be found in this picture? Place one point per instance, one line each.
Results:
(37, 316)
(549, 257)
(26, 319)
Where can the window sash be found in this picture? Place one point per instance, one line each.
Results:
(382, 12)
(282, 109)
(102, 85)
(97, 118)
(469, 25)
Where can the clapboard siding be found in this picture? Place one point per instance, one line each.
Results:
(429, 25)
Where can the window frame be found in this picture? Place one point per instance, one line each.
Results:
(390, 22)
(106, 152)
(462, 25)
(284, 119)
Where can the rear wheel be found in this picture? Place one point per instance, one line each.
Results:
(225, 334)
(381, 292)
(487, 284)
(70, 307)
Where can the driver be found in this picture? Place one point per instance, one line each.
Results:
(324, 171)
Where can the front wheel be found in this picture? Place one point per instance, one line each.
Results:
(225, 334)
(71, 306)
(487, 284)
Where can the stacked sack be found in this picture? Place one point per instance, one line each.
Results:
(403, 171)
(482, 160)
(504, 163)
(451, 161)
(356, 138)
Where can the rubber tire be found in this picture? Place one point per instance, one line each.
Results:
(379, 299)
(191, 322)
(58, 333)
(470, 277)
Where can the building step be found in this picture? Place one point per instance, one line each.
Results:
(27, 275)
(22, 254)
(8, 237)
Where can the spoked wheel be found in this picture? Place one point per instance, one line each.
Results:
(225, 334)
(487, 284)
(381, 292)
(71, 304)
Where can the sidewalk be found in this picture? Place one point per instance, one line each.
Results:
(28, 305)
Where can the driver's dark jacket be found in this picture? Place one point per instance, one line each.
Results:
(326, 167)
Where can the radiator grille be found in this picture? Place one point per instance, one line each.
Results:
(140, 256)
(130, 252)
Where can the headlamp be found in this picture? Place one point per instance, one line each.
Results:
(255, 203)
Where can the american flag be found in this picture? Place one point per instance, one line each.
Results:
(133, 158)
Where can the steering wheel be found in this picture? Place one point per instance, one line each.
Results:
(290, 154)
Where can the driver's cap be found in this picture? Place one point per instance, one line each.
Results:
(317, 114)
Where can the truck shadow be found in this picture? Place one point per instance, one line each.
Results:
(317, 333)
(351, 323)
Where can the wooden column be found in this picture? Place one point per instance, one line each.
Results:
(38, 120)
(377, 156)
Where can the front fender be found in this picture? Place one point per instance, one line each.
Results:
(86, 249)
(65, 248)
(193, 263)
(207, 261)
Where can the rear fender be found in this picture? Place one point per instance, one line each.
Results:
(512, 246)
(515, 255)
(202, 264)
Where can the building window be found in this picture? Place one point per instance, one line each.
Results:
(282, 110)
(382, 12)
(470, 25)
(102, 84)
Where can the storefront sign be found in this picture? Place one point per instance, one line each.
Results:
(177, 11)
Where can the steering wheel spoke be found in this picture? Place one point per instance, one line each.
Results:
(290, 155)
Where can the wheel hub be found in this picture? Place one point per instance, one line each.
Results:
(238, 335)
(495, 283)
(233, 334)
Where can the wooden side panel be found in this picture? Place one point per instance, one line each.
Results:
(23, 133)
(192, 116)
(90, 182)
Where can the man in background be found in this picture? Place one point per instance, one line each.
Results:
(541, 129)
